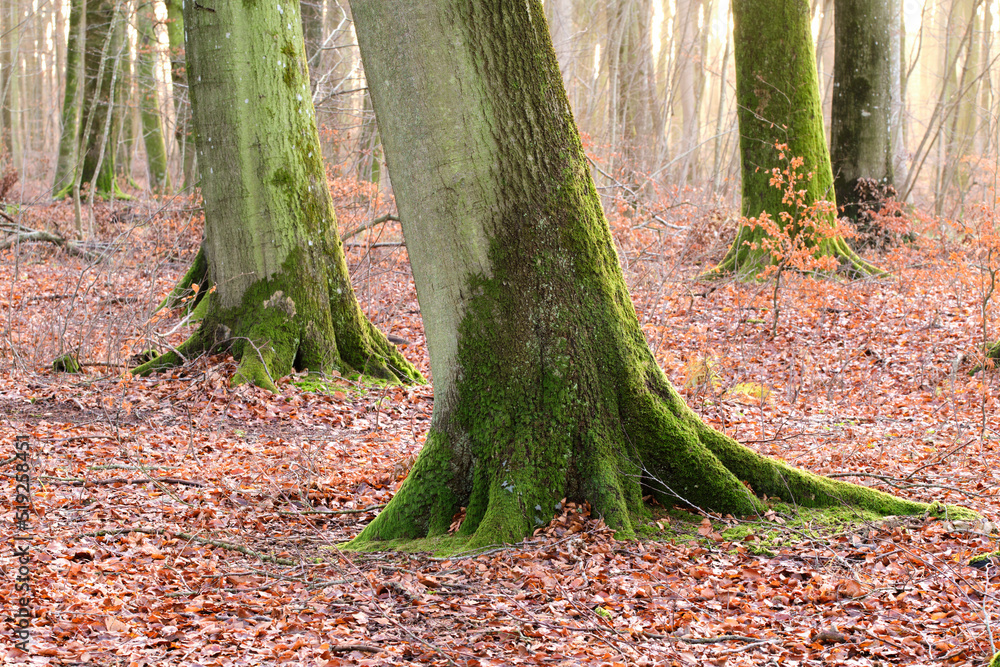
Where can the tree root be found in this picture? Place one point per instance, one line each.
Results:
(745, 263)
(663, 449)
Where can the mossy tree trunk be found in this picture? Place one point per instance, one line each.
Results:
(866, 56)
(777, 100)
(69, 139)
(544, 385)
(104, 43)
(149, 105)
(282, 296)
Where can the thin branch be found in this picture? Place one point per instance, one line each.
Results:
(81, 481)
(194, 538)
(332, 512)
(368, 225)
(897, 483)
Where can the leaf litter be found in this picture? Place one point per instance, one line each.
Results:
(240, 566)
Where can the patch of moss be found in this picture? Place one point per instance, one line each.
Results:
(67, 363)
(321, 384)
(766, 536)
(438, 545)
(983, 560)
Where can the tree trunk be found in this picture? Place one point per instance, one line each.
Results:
(635, 130)
(182, 106)
(312, 30)
(777, 93)
(545, 387)
(282, 296)
(686, 89)
(861, 134)
(69, 139)
(103, 41)
(149, 101)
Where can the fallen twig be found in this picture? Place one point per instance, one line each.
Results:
(80, 481)
(345, 648)
(313, 512)
(194, 538)
(18, 233)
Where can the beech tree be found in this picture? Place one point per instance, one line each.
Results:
(271, 271)
(95, 128)
(866, 61)
(777, 97)
(69, 138)
(544, 385)
(149, 104)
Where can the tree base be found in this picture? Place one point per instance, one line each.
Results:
(663, 449)
(282, 324)
(744, 263)
(990, 359)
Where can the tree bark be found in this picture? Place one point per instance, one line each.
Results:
(777, 92)
(282, 296)
(544, 385)
(149, 105)
(861, 141)
(102, 48)
(69, 139)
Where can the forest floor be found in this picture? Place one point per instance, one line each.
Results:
(176, 520)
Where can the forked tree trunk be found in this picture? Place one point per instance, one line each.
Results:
(282, 297)
(777, 96)
(544, 386)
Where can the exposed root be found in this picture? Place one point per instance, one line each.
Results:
(745, 263)
(670, 454)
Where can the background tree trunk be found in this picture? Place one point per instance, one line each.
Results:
(101, 48)
(148, 93)
(864, 65)
(544, 385)
(777, 94)
(69, 139)
(282, 296)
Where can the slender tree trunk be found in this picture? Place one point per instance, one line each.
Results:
(282, 298)
(69, 139)
(148, 92)
(9, 66)
(545, 387)
(900, 79)
(777, 95)
(635, 130)
(864, 66)
(825, 54)
(100, 51)
(685, 91)
(961, 145)
(181, 101)
(312, 30)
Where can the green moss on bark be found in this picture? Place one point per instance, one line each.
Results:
(282, 296)
(545, 387)
(778, 101)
